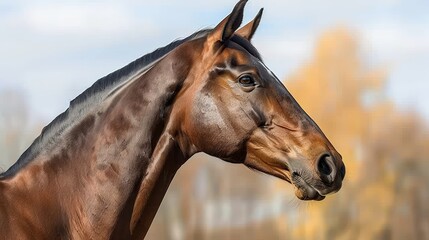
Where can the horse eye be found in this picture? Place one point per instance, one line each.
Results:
(246, 80)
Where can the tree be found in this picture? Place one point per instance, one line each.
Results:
(332, 88)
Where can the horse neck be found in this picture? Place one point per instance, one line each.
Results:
(166, 153)
(116, 164)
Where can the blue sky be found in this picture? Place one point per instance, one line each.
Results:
(53, 50)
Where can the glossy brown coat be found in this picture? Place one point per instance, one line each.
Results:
(103, 174)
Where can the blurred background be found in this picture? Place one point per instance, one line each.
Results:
(359, 68)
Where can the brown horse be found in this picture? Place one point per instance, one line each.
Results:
(101, 169)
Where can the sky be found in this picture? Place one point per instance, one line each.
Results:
(53, 50)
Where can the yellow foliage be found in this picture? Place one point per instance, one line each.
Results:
(376, 142)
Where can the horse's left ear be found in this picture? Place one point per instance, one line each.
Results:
(250, 28)
(226, 28)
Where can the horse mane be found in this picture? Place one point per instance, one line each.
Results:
(86, 101)
(246, 45)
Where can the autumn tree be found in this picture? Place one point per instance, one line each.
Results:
(385, 150)
(332, 88)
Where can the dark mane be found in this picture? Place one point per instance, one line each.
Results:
(94, 94)
(247, 45)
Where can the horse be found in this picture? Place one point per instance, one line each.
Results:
(101, 169)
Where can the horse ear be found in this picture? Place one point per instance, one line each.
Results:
(250, 28)
(226, 28)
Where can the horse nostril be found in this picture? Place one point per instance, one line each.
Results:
(343, 172)
(326, 168)
(323, 166)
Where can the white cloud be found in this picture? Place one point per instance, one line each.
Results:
(76, 20)
(35, 32)
(82, 19)
(398, 41)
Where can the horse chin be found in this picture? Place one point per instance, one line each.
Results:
(305, 191)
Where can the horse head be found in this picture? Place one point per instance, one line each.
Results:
(236, 109)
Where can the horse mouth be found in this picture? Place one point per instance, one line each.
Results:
(303, 190)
